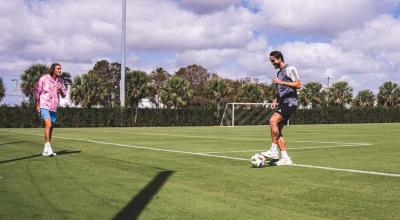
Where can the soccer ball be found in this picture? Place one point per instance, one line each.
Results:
(258, 160)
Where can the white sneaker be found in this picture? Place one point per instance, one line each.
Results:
(271, 154)
(284, 161)
(48, 151)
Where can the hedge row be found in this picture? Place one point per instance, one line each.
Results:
(25, 117)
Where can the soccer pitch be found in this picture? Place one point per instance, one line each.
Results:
(341, 172)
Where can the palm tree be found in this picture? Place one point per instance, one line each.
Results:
(250, 92)
(157, 77)
(29, 78)
(365, 98)
(87, 91)
(175, 92)
(217, 89)
(138, 86)
(389, 94)
(312, 94)
(67, 78)
(2, 89)
(340, 94)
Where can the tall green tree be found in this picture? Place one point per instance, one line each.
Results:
(2, 89)
(175, 92)
(138, 86)
(340, 94)
(197, 76)
(217, 89)
(87, 91)
(312, 94)
(110, 76)
(29, 78)
(389, 94)
(157, 77)
(364, 98)
(250, 92)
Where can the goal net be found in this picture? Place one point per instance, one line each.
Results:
(245, 114)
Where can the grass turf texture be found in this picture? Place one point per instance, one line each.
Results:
(92, 180)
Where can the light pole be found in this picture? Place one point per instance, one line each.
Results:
(16, 85)
(122, 82)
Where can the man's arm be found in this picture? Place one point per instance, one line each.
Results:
(296, 84)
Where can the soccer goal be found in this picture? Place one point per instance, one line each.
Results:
(245, 114)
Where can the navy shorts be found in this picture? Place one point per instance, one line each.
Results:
(285, 110)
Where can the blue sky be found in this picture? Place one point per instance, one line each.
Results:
(356, 40)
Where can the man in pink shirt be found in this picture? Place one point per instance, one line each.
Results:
(47, 95)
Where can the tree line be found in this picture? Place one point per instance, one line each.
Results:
(194, 86)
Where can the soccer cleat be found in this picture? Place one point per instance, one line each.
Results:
(270, 154)
(284, 161)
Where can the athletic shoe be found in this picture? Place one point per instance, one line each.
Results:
(49, 154)
(48, 151)
(271, 154)
(284, 161)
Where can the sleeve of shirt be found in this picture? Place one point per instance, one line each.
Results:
(293, 74)
(38, 88)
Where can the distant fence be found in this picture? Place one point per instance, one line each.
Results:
(26, 117)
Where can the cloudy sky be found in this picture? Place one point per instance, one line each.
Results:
(352, 40)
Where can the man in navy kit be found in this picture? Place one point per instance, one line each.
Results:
(287, 82)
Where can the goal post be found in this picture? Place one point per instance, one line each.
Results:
(237, 113)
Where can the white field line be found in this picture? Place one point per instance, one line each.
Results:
(290, 149)
(241, 138)
(210, 155)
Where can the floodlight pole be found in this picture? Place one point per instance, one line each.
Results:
(122, 82)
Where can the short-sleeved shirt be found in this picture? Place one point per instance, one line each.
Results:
(46, 92)
(287, 95)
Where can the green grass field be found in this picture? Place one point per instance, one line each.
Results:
(341, 172)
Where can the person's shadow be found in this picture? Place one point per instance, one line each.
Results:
(59, 153)
(134, 208)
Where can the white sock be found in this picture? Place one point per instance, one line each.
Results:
(284, 155)
(274, 147)
(48, 148)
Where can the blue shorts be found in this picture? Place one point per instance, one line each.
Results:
(46, 114)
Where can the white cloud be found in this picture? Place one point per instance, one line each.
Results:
(172, 28)
(318, 17)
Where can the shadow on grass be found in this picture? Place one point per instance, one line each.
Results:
(59, 153)
(133, 209)
(14, 142)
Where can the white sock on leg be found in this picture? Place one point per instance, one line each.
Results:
(284, 154)
(274, 147)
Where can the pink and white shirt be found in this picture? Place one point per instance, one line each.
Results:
(46, 92)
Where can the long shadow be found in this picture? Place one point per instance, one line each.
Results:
(14, 142)
(39, 155)
(133, 209)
